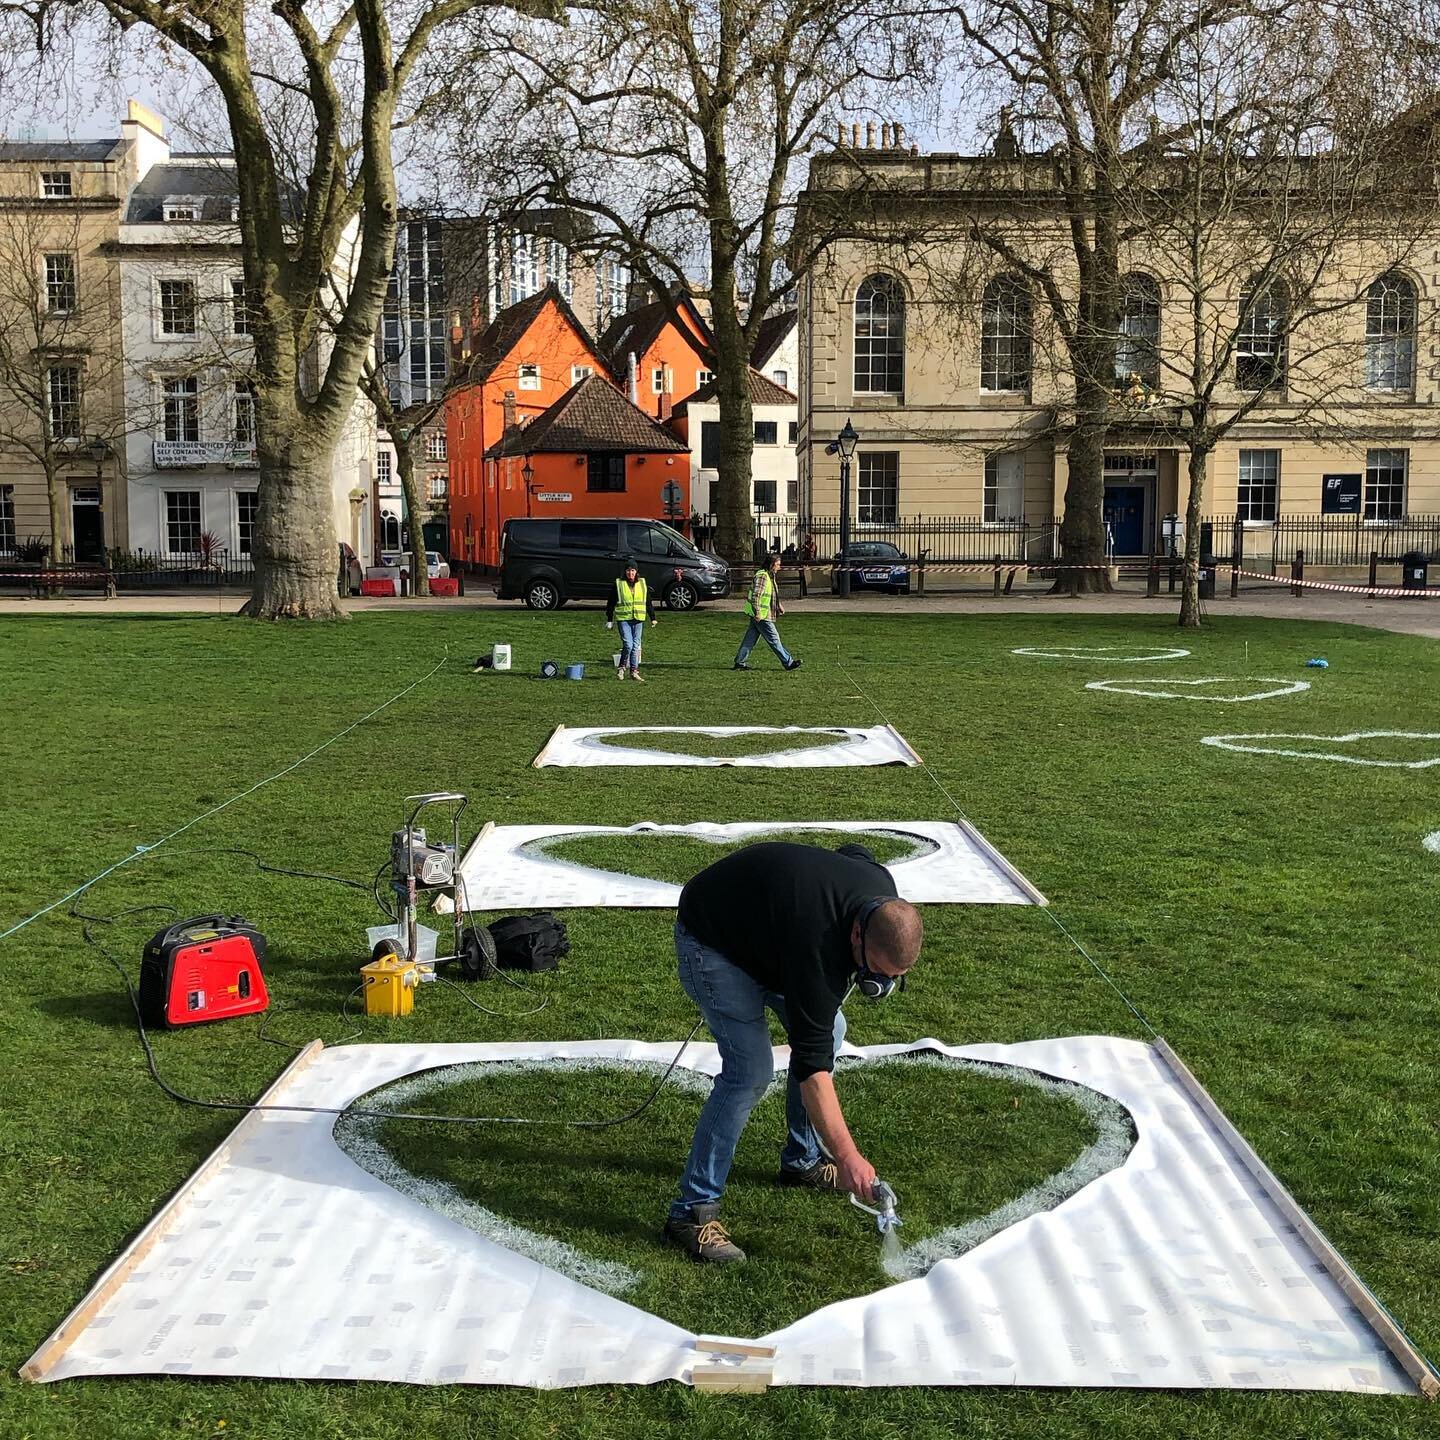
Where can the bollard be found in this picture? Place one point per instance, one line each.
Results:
(997, 574)
(1374, 563)
(1297, 573)
(1152, 577)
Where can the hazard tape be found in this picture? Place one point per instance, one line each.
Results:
(1393, 591)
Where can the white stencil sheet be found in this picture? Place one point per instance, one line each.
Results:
(835, 746)
(506, 867)
(284, 1259)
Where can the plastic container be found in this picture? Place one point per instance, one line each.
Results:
(499, 657)
(575, 672)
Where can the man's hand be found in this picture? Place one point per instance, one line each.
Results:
(858, 1176)
(609, 624)
(654, 623)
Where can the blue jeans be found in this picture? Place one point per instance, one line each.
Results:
(762, 630)
(631, 633)
(734, 1008)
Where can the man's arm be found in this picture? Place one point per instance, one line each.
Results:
(822, 1105)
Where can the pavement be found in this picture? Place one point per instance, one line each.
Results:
(1405, 616)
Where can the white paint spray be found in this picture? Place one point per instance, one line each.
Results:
(1233, 742)
(1154, 692)
(1115, 653)
(1432, 842)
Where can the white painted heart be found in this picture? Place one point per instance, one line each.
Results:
(1235, 742)
(1116, 653)
(1279, 687)
(1432, 842)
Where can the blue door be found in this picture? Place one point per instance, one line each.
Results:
(1125, 515)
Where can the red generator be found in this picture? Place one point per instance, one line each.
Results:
(203, 969)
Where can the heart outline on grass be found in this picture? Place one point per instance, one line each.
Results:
(359, 1138)
(1287, 687)
(1226, 742)
(1100, 652)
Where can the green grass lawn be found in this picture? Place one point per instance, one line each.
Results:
(1277, 920)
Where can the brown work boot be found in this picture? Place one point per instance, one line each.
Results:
(702, 1236)
(822, 1175)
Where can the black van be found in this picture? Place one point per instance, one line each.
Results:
(547, 562)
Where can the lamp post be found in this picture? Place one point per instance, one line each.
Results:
(844, 445)
(527, 474)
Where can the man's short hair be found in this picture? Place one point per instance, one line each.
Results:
(895, 931)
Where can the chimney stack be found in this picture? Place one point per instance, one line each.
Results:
(897, 131)
(869, 134)
(508, 405)
(840, 135)
(855, 135)
(885, 135)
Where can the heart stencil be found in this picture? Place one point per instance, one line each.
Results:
(1115, 653)
(1250, 744)
(1277, 687)
(720, 745)
(675, 858)
(589, 1203)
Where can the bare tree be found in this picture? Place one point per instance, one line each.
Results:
(1279, 220)
(61, 368)
(683, 128)
(319, 94)
(1078, 87)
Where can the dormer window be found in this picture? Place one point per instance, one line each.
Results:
(56, 185)
(182, 210)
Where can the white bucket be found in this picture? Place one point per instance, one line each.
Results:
(500, 657)
(615, 659)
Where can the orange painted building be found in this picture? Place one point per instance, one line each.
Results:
(594, 454)
(673, 351)
(531, 355)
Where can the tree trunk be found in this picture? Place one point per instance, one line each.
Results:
(735, 520)
(297, 555)
(419, 567)
(1190, 616)
(55, 493)
(1082, 531)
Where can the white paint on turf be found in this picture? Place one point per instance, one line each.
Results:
(1116, 653)
(1154, 692)
(1234, 742)
(1432, 842)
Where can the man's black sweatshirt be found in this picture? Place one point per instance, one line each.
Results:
(783, 913)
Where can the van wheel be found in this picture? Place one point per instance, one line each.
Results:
(682, 595)
(542, 595)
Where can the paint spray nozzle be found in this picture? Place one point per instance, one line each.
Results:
(886, 1220)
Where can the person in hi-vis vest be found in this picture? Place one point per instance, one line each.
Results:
(762, 605)
(631, 605)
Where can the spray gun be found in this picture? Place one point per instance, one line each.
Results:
(886, 1220)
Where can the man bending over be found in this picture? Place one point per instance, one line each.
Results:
(793, 929)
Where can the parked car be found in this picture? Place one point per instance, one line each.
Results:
(436, 568)
(547, 562)
(887, 572)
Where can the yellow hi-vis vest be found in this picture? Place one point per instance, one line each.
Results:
(761, 597)
(630, 599)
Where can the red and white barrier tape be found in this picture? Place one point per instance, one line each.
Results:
(1395, 591)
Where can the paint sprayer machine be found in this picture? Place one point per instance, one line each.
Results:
(403, 954)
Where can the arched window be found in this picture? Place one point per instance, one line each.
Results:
(1262, 342)
(1005, 335)
(1390, 306)
(1137, 351)
(879, 336)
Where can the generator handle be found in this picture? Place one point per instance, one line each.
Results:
(440, 797)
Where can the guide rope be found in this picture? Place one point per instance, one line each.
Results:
(1048, 910)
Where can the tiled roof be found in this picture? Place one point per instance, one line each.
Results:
(590, 416)
(636, 330)
(773, 330)
(763, 391)
(510, 327)
(77, 150)
(212, 182)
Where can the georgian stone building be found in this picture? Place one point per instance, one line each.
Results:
(950, 370)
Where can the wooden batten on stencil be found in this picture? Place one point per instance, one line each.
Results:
(70, 1329)
(1356, 1291)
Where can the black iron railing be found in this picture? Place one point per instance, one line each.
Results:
(1325, 539)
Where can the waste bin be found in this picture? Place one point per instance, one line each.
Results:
(1414, 570)
(1206, 588)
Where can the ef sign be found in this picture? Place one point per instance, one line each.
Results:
(1340, 494)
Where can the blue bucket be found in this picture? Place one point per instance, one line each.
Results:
(575, 672)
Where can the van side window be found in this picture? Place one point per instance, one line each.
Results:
(589, 535)
(647, 540)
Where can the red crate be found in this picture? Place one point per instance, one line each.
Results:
(377, 587)
(446, 585)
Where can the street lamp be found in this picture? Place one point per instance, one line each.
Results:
(844, 446)
(527, 474)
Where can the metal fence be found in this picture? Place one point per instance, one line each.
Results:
(1325, 539)
(131, 570)
(936, 539)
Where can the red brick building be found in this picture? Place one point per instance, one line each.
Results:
(673, 351)
(591, 453)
